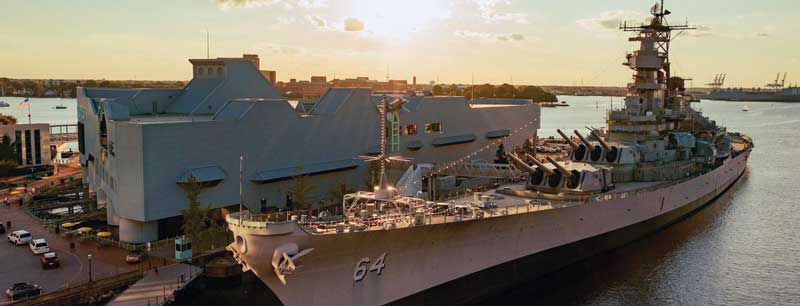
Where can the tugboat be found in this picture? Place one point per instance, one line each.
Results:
(657, 161)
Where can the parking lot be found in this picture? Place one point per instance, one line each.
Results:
(18, 264)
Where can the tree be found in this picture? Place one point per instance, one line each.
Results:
(505, 91)
(7, 149)
(202, 230)
(7, 119)
(481, 91)
(453, 90)
(338, 191)
(89, 83)
(193, 215)
(501, 155)
(537, 94)
(300, 190)
(438, 90)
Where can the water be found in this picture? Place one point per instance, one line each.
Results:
(42, 111)
(742, 250)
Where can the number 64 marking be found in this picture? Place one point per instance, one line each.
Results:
(361, 267)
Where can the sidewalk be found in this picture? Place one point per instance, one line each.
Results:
(156, 286)
(19, 265)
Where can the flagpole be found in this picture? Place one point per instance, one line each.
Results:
(241, 192)
(29, 110)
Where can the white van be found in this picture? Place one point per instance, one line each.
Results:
(39, 246)
(20, 237)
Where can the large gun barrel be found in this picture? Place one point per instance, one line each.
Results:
(539, 164)
(561, 168)
(586, 142)
(573, 145)
(601, 141)
(521, 164)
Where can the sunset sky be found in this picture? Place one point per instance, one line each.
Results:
(562, 42)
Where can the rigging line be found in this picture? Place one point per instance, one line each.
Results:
(473, 153)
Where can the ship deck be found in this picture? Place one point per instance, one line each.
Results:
(457, 209)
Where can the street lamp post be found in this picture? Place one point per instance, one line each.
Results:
(90, 267)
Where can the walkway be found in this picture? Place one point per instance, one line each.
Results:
(156, 287)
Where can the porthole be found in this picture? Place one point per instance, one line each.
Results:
(219, 71)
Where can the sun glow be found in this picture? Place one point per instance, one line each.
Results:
(398, 19)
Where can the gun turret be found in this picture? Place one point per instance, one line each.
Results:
(561, 168)
(601, 141)
(586, 142)
(573, 145)
(539, 164)
(521, 164)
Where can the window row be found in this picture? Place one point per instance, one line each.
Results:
(209, 70)
(431, 127)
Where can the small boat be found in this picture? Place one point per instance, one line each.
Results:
(4, 104)
(60, 106)
(563, 103)
(745, 108)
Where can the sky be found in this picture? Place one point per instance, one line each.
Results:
(564, 42)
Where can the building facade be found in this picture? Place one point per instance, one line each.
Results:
(138, 146)
(31, 142)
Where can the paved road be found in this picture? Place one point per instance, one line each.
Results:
(18, 264)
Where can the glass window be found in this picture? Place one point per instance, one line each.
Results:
(28, 148)
(433, 127)
(410, 129)
(37, 143)
(219, 70)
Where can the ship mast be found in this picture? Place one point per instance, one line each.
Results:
(651, 61)
(383, 191)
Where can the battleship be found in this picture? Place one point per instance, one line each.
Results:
(657, 161)
(776, 91)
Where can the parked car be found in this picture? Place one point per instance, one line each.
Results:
(50, 260)
(23, 290)
(135, 256)
(20, 237)
(39, 246)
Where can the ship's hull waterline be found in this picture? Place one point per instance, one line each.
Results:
(452, 263)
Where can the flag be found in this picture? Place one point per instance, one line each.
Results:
(24, 102)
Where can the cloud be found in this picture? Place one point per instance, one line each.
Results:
(280, 49)
(318, 22)
(507, 37)
(353, 25)
(610, 20)
(288, 4)
(489, 14)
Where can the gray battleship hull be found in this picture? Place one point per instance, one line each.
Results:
(452, 263)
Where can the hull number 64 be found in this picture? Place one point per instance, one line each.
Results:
(361, 267)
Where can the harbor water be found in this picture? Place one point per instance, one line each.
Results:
(741, 250)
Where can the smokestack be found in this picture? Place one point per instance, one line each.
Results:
(414, 83)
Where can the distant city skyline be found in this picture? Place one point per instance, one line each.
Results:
(566, 42)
